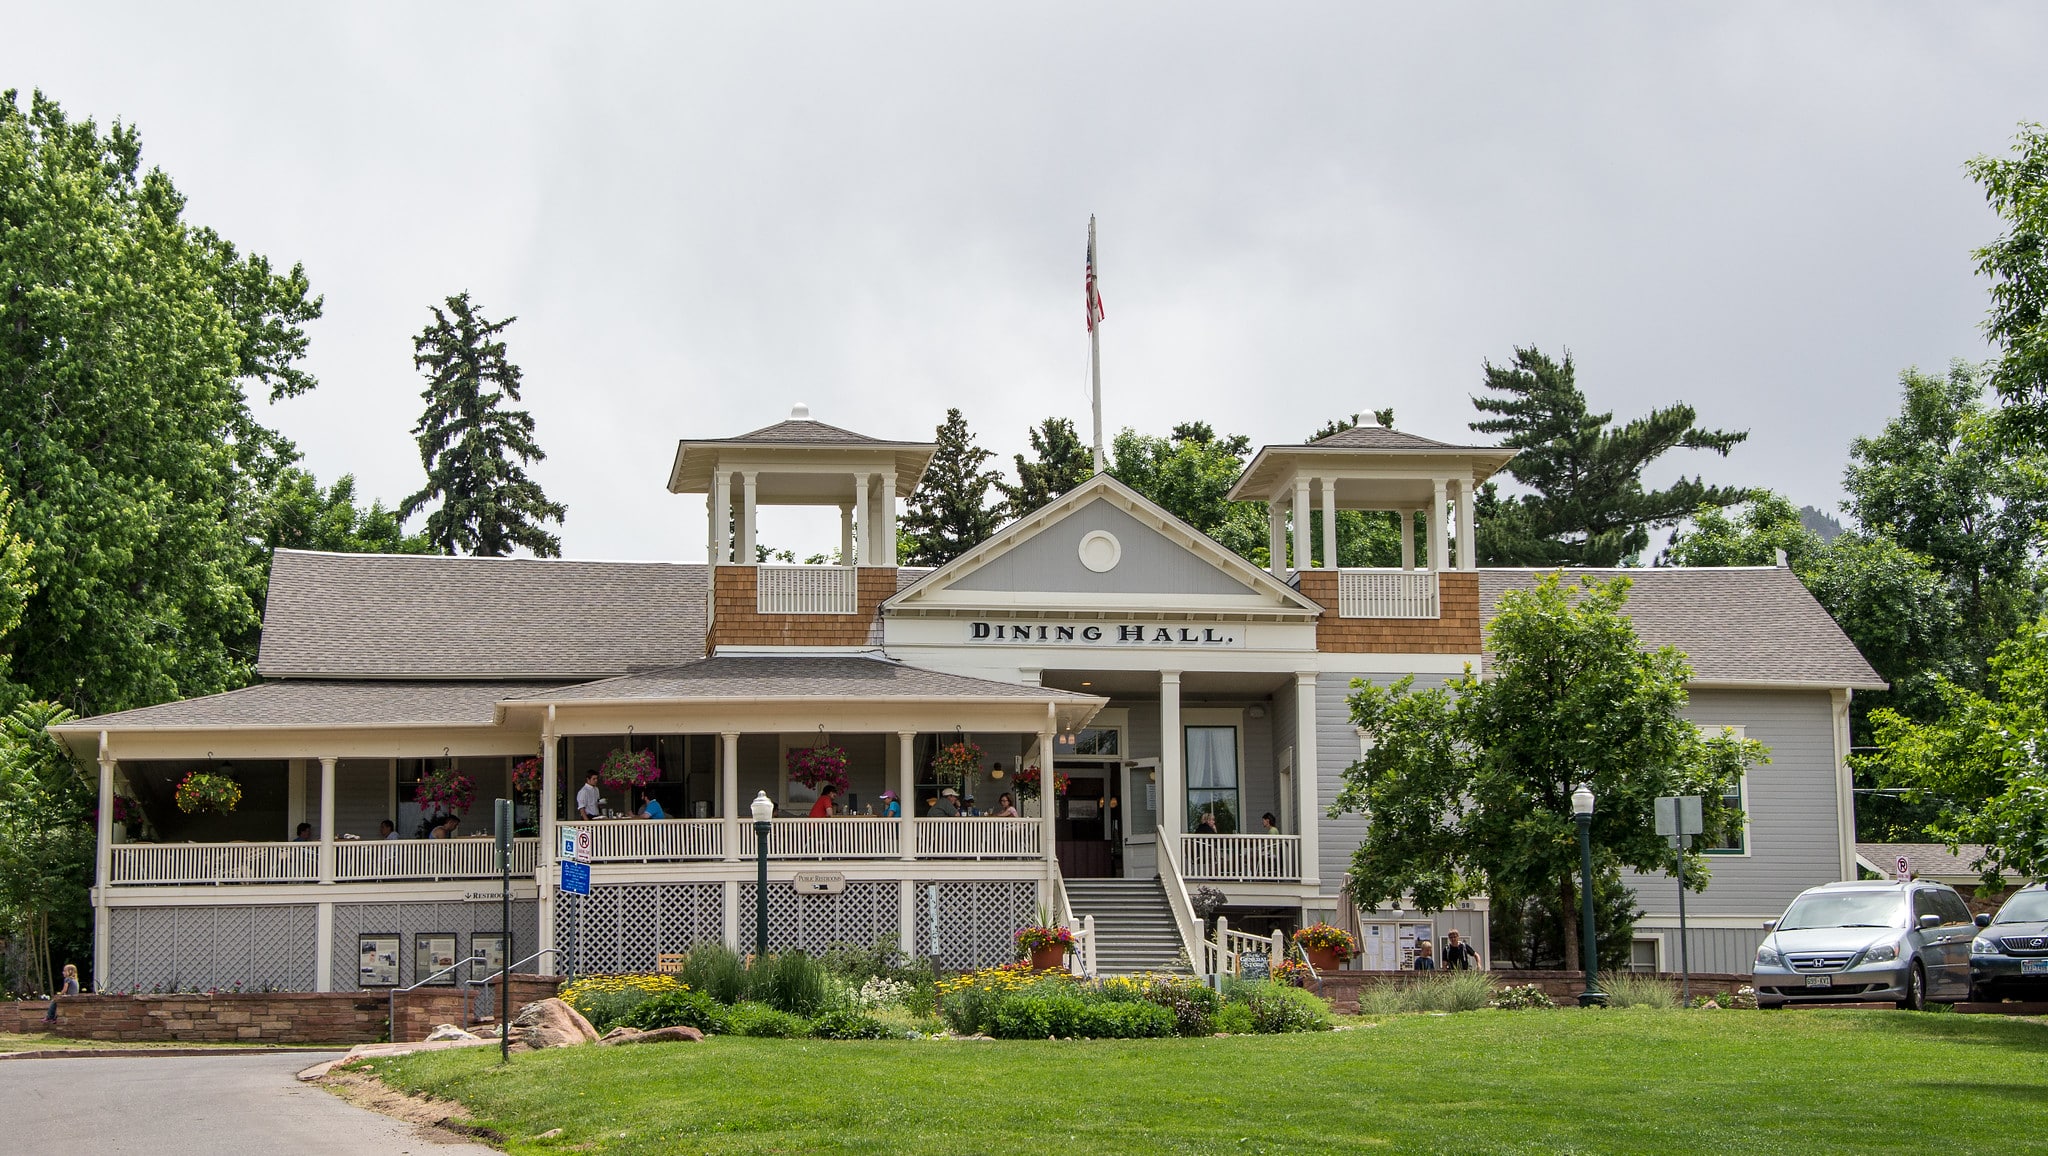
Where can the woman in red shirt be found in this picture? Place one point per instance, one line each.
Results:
(822, 809)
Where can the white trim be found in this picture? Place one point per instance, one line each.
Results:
(1845, 787)
(1656, 921)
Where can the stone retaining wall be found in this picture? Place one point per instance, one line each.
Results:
(1341, 987)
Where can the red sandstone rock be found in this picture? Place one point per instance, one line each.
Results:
(551, 1023)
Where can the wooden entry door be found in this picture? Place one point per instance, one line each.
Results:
(1084, 841)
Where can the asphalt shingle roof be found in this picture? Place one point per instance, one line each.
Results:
(430, 616)
(1376, 437)
(1928, 860)
(1734, 623)
(800, 676)
(329, 703)
(803, 431)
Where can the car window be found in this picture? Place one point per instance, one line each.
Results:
(1844, 909)
(1952, 907)
(2025, 907)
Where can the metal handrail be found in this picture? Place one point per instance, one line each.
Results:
(391, 1022)
(469, 997)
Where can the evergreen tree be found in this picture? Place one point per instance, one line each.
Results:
(468, 442)
(950, 513)
(1588, 507)
(1062, 463)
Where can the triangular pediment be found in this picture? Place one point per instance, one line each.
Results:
(1102, 547)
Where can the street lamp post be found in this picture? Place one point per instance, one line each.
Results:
(764, 810)
(1582, 811)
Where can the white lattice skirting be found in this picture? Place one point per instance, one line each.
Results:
(622, 927)
(173, 948)
(977, 922)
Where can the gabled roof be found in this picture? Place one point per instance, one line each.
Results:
(320, 703)
(796, 440)
(1366, 452)
(1266, 596)
(1738, 625)
(411, 616)
(799, 677)
(1927, 860)
(797, 431)
(1377, 437)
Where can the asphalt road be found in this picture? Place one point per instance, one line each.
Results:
(169, 1105)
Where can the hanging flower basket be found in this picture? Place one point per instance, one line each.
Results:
(203, 792)
(446, 791)
(818, 768)
(526, 776)
(1028, 782)
(623, 768)
(954, 762)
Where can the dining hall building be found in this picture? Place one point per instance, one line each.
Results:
(1179, 694)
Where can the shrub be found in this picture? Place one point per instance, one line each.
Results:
(1034, 1015)
(1191, 1003)
(965, 999)
(1517, 998)
(1628, 990)
(758, 1019)
(1120, 1020)
(717, 971)
(677, 1009)
(1451, 991)
(791, 982)
(850, 1025)
(884, 960)
(1278, 1007)
(606, 1000)
(1235, 1018)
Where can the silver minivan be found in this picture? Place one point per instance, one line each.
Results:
(1862, 942)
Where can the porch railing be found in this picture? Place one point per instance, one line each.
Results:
(1387, 594)
(382, 859)
(1241, 858)
(655, 840)
(1185, 925)
(859, 837)
(806, 589)
(965, 838)
(148, 863)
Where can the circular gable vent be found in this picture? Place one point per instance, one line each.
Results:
(1100, 551)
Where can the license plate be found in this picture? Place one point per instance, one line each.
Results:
(2034, 967)
(1826, 980)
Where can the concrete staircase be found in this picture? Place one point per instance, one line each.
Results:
(1133, 924)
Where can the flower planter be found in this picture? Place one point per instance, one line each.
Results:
(1048, 958)
(1325, 959)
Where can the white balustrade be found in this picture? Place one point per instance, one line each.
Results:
(147, 863)
(465, 858)
(852, 837)
(1387, 594)
(806, 589)
(655, 840)
(980, 838)
(1242, 858)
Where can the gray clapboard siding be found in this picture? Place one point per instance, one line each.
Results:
(362, 796)
(1336, 750)
(1722, 949)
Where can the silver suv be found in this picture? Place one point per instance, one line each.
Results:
(1863, 942)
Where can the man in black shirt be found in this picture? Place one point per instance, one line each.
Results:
(1458, 955)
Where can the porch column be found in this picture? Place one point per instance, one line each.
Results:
(906, 783)
(729, 791)
(323, 945)
(867, 521)
(1046, 780)
(1173, 807)
(327, 820)
(1305, 767)
(885, 535)
(1407, 520)
(544, 857)
(1304, 548)
(1439, 519)
(1276, 540)
(846, 535)
(1468, 530)
(721, 518)
(1329, 523)
(750, 510)
(103, 867)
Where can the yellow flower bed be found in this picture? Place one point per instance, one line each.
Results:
(991, 980)
(602, 985)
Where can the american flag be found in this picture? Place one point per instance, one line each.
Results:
(1093, 295)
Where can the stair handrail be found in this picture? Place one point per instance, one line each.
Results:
(1191, 941)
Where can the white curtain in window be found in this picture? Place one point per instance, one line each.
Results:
(1212, 757)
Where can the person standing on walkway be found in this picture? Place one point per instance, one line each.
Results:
(1458, 955)
(70, 987)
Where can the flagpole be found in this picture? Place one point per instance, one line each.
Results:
(1094, 345)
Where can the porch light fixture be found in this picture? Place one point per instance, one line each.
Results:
(764, 811)
(1582, 813)
(996, 772)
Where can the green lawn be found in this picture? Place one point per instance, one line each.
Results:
(1558, 1081)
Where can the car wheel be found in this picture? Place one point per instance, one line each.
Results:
(1916, 989)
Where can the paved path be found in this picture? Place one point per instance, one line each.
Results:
(165, 1106)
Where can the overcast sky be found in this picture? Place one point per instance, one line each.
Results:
(703, 214)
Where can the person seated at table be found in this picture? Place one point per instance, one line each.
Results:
(437, 828)
(891, 809)
(968, 808)
(1207, 825)
(948, 806)
(650, 807)
(304, 834)
(827, 797)
(1268, 825)
(387, 830)
(1006, 808)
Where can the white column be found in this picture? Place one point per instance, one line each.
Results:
(1439, 522)
(544, 861)
(1046, 779)
(721, 518)
(732, 914)
(1304, 548)
(103, 867)
(729, 792)
(1407, 520)
(867, 521)
(1173, 803)
(885, 533)
(906, 783)
(1329, 523)
(750, 510)
(323, 945)
(327, 821)
(1468, 529)
(1310, 814)
(1276, 540)
(906, 913)
(846, 535)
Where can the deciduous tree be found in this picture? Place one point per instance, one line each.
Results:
(46, 842)
(2016, 186)
(1190, 473)
(951, 513)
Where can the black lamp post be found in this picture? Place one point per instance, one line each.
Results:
(764, 810)
(1582, 811)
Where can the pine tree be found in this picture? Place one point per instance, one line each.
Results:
(468, 442)
(1062, 463)
(950, 513)
(1589, 507)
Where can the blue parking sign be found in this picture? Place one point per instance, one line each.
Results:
(576, 878)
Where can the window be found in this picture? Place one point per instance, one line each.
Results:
(1642, 956)
(1212, 776)
(1091, 741)
(1735, 841)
